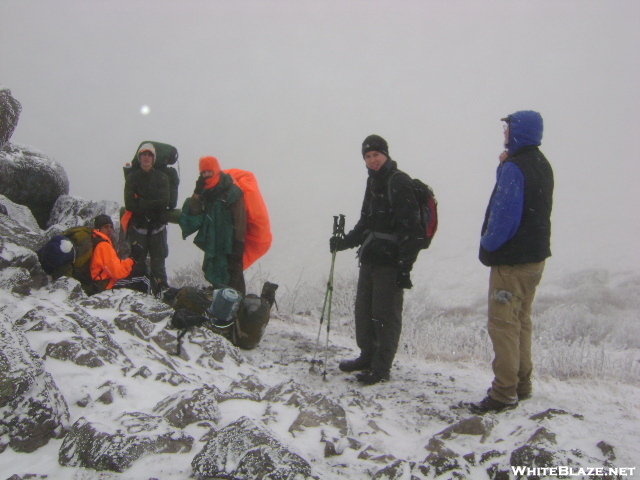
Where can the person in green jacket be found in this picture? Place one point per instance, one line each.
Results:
(147, 195)
(216, 210)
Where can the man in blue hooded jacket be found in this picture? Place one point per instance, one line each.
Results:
(515, 242)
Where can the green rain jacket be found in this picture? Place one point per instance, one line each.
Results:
(215, 228)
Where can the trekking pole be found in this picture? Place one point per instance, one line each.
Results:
(338, 232)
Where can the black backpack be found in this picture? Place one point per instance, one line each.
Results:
(428, 206)
(166, 155)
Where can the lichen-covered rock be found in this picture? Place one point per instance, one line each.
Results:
(247, 449)
(10, 109)
(190, 406)
(30, 178)
(32, 409)
(100, 447)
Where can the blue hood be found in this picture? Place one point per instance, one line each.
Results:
(525, 128)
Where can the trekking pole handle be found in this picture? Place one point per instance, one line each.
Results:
(338, 225)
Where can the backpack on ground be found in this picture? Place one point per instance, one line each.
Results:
(242, 321)
(428, 206)
(253, 317)
(258, 237)
(166, 155)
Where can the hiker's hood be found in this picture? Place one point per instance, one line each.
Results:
(525, 129)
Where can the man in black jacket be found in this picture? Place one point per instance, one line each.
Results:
(147, 196)
(387, 234)
(516, 237)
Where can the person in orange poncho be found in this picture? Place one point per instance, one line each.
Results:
(108, 271)
(217, 211)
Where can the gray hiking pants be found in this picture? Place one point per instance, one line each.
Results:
(378, 315)
(156, 246)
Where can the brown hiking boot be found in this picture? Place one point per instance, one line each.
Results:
(354, 365)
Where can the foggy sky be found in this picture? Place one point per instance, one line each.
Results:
(289, 90)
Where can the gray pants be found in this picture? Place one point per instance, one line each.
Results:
(378, 315)
(157, 248)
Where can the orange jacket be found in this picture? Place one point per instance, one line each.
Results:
(105, 263)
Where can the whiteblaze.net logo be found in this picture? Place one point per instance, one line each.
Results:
(566, 471)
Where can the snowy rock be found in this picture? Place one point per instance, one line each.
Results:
(15, 258)
(187, 407)
(69, 211)
(98, 447)
(216, 349)
(475, 425)
(16, 280)
(315, 409)
(21, 215)
(10, 109)
(32, 409)
(247, 449)
(249, 387)
(30, 178)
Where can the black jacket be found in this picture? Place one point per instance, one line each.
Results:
(532, 241)
(147, 195)
(389, 223)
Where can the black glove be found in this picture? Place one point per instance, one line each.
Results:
(337, 244)
(403, 279)
(138, 253)
(200, 184)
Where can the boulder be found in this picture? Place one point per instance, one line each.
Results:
(247, 449)
(190, 406)
(315, 409)
(32, 409)
(18, 226)
(10, 109)
(30, 178)
(69, 211)
(101, 447)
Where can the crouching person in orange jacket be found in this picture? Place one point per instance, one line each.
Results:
(108, 271)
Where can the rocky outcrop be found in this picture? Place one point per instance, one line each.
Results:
(30, 178)
(32, 408)
(10, 109)
(100, 447)
(247, 449)
(69, 211)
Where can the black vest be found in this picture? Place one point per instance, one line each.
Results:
(532, 241)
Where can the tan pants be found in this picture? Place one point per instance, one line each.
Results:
(512, 289)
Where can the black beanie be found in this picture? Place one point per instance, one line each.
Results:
(375, 143)
(102, 220)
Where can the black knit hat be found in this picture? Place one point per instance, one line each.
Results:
(375, 143)
(102, 220)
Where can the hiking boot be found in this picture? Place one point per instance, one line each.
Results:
(488, 404)
(371, 377)
(354, 365)
(524, 396)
